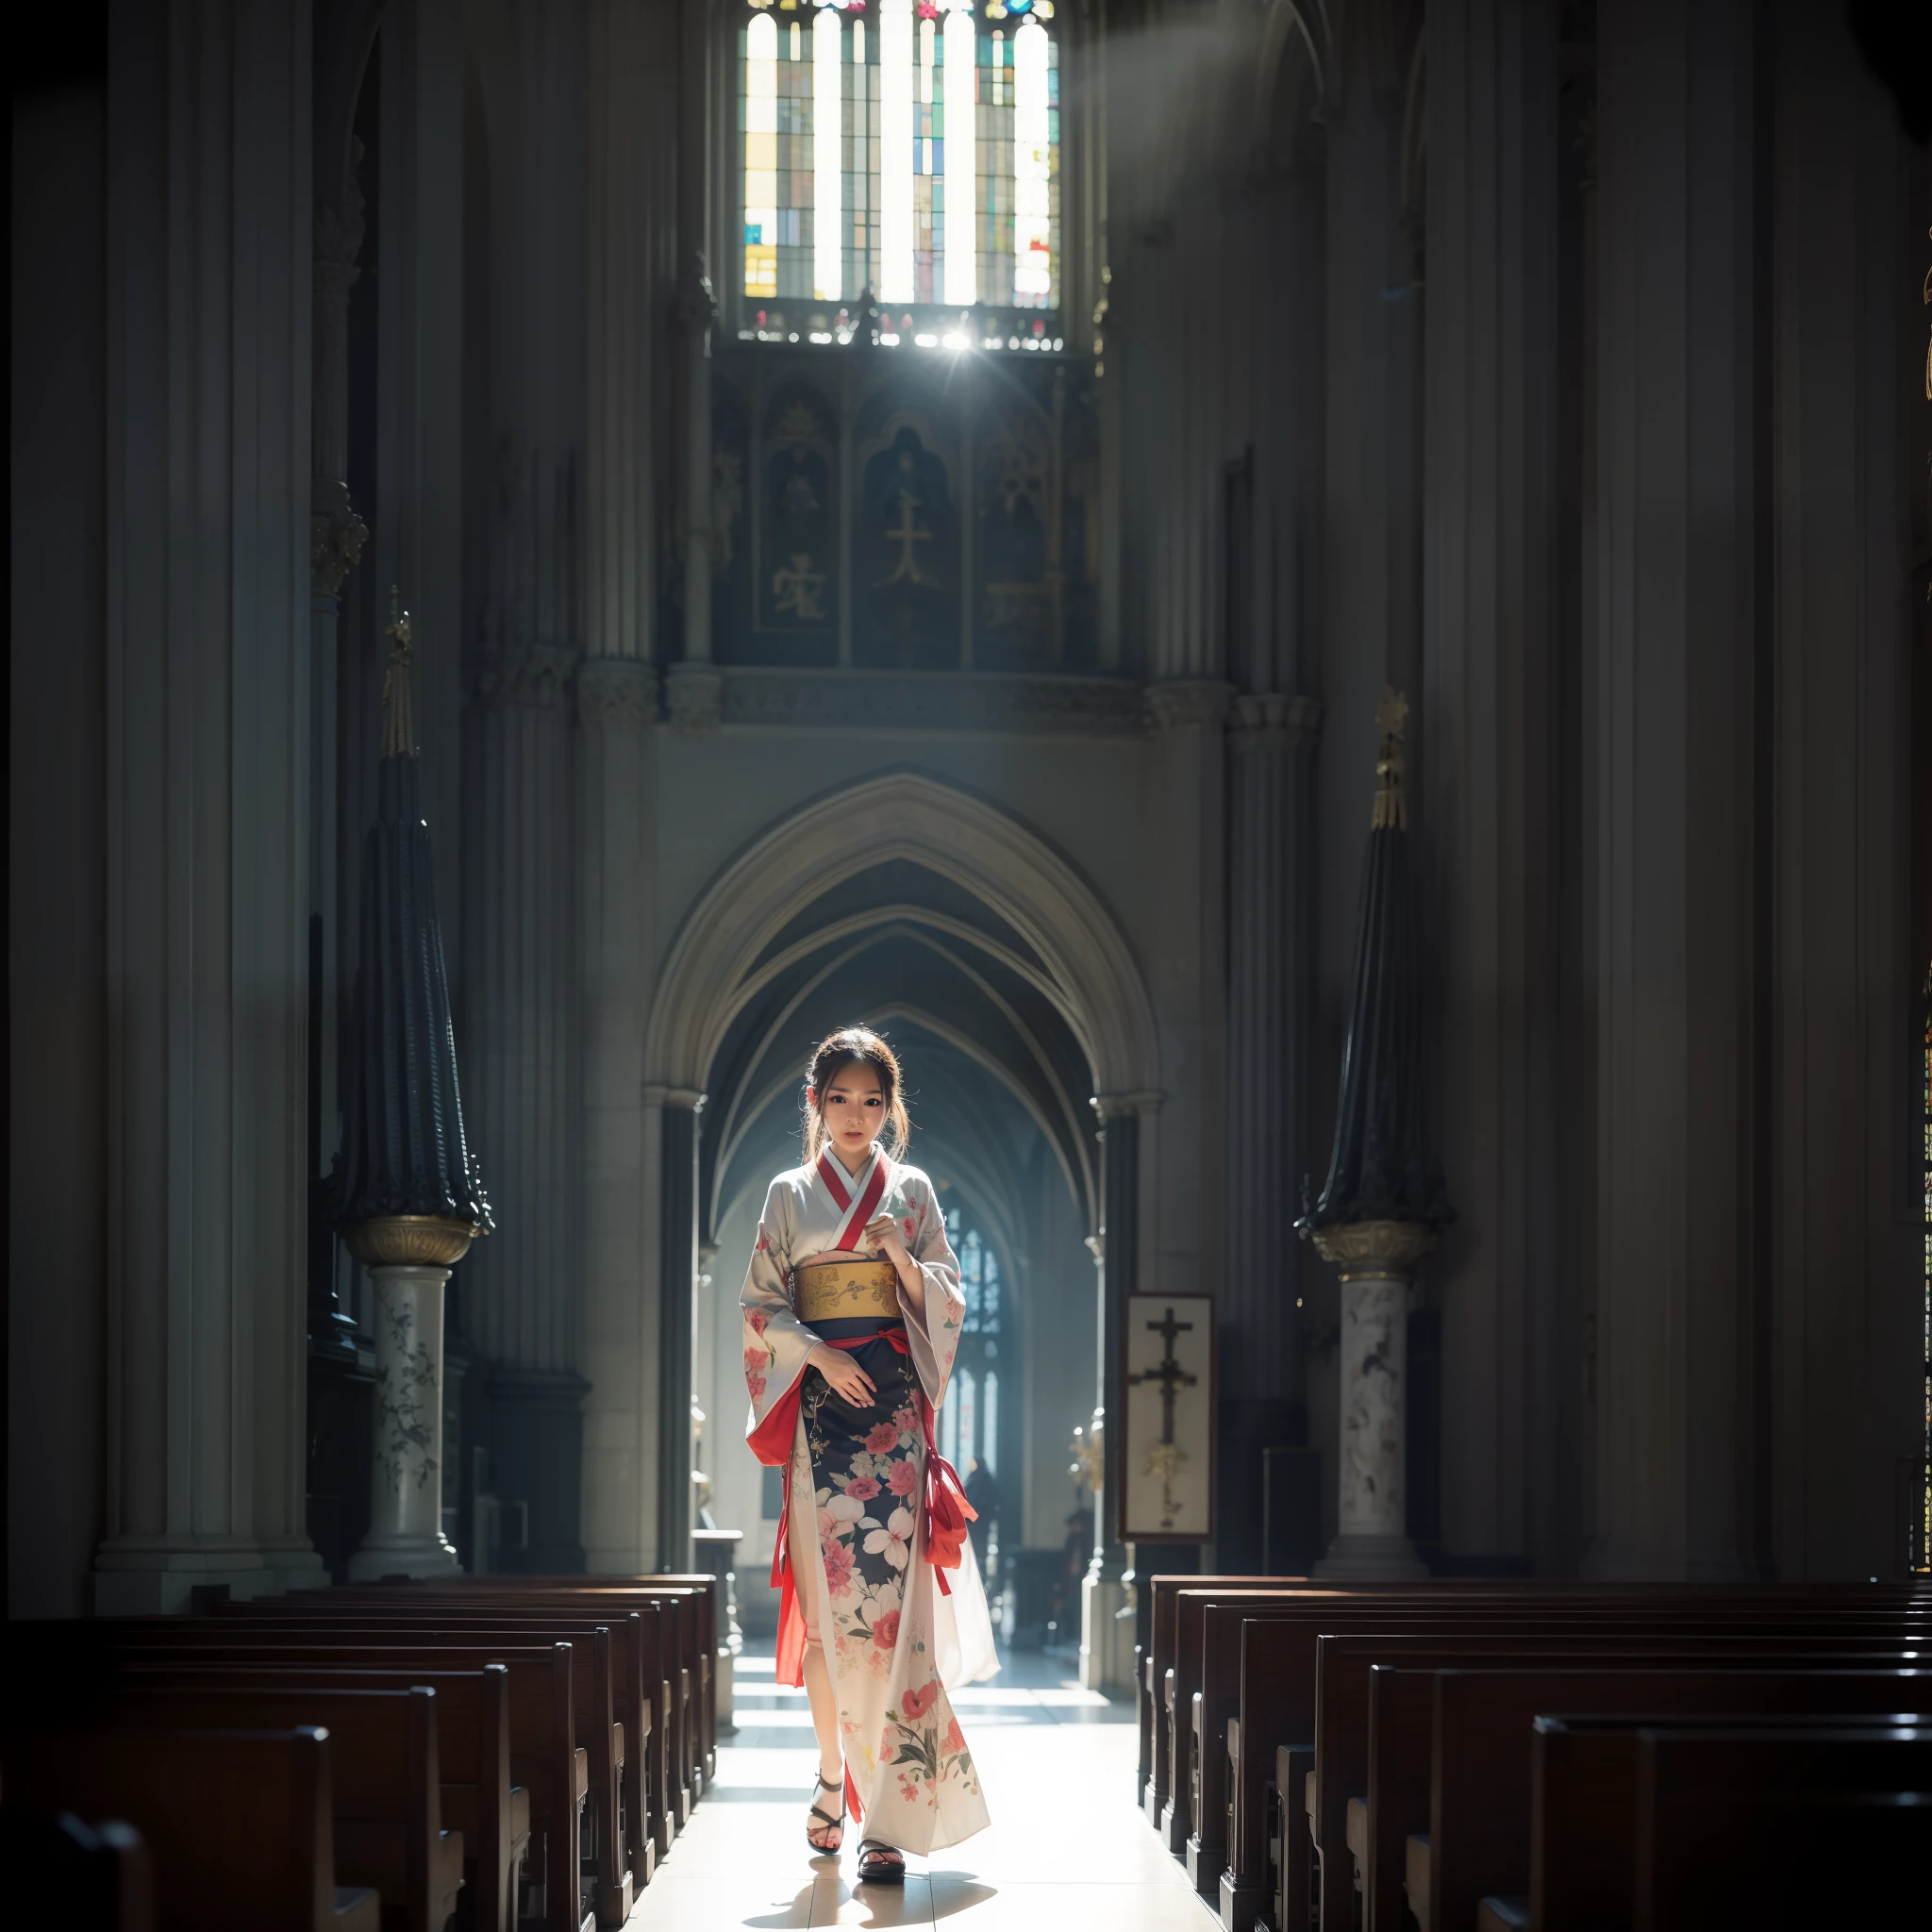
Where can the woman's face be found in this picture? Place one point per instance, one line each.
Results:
(854, 1109)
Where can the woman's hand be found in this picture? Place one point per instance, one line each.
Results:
(848, 1381)
(882, 1237)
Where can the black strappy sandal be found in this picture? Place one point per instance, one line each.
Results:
(830, 1822)
(880, 1864)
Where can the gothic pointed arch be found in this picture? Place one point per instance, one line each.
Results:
(1080, 958)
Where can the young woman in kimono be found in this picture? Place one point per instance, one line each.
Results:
(852, 1315)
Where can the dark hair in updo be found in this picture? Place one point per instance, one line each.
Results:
(829, 1058)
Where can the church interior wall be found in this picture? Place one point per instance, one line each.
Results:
(1600, 465)
(56, 953)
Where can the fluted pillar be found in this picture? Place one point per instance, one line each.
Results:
(631, 210)
(1106, 1615)
(677, 1266)
(207, 749)
(1262, 1404)
(521, 1303)
(1672, 707)
(1493, 643)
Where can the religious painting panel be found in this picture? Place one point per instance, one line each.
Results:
(1037, 506)
(907, 581)
(731, 559)
(798, 528)
(1167, 1403)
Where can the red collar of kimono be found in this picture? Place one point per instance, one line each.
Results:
(870, 1195)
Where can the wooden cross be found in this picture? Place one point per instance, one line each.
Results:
(1167, 1371)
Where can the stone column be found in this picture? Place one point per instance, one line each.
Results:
(695, 693)
(1376, 1259)
(522, 1287)
(1672, 709)
(1107, 1611)
(676, 1324)
(1262, 1403)
(207, 599)
(1488, 754)
(631, 210)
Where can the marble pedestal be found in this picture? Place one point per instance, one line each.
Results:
(406, 1535)
(1106, 1634)
(1371, 1541)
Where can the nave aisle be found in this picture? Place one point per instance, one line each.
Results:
(1066, 1852)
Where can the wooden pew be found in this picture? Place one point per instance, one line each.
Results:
(1279, 1690)
(611, 1684)
(238, 1824)
(83, 1877)
(1774, 1829)
(1583, 1811)
(477, 1796)
(1157, 1671)
(1150, 1681)
(385, 1777)
(545, 1754)
(685, 1613)
(1480, 1834)
(703, 1595)
(1346, 1812)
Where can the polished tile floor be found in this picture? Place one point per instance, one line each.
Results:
(1066, 1852)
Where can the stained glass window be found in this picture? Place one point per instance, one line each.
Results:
(908, 147)
(980, 1278)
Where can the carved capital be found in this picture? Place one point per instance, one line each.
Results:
(335, 537)
(697, 304)
(658, 1094)
(1275, 720)
(1384, 1249)
(616, 694)
(1187, 701)
(1112, 1105)
(532, 677)
(409, 1240)
(694, 696)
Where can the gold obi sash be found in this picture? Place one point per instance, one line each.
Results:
(842, 1290)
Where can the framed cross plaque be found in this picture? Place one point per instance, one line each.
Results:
(1167, 1419)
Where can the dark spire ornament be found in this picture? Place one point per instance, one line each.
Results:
(1378, 1169)
(405, 1187)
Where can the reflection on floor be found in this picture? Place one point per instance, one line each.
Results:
(1066, 1852)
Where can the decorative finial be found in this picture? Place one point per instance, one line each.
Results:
(1390, 715)
(398, 725)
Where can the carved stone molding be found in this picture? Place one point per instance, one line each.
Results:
(336, 537)
(1187, 701)
(616, 694)
(534, 677)
(697, 303)
(1380, 1248)
(1275, 720)
(694, 697)
(657, 1094)
(936, 701)
(1112, 1106)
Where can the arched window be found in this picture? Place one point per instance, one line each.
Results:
(971, 1417)
(908, 147)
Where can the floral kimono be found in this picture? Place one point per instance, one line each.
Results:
(901, 1610)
